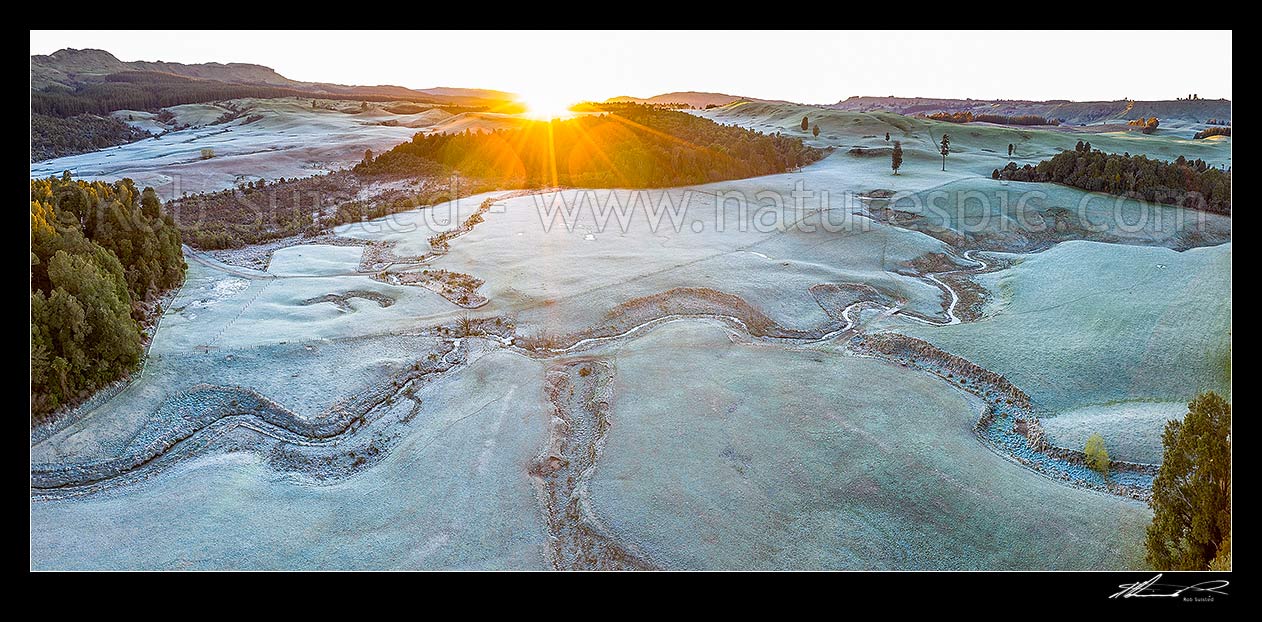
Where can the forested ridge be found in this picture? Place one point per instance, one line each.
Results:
(1190, 183)
(151, 90)
(53, 137)
(143, 90)
(101, 255)
(625, 145)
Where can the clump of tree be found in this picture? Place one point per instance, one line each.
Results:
(53, 137)
(630, 145)
(1218, 121)
(1096, 454)
(101, 254)
(1191, 496)
(896, 157)
(815, 131)
(260, 210)
(207, 153)
(952, 117)
(1020, 119)
(1212, 131)
(999, 119)
(1190, 183)
(806, 124)
(1145, 125)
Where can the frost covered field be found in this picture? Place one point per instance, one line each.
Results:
(689, 394)
(270, 139)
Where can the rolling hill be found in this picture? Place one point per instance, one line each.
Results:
(696, 99)
(1190, 111)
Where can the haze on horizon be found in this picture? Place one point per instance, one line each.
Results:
(815, 67)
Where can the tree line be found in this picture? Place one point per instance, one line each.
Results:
(1212, 131)
(1001, 119)
(101, 254)
(1189, 183)
(258, 211)
(143, 90)
(623, 145)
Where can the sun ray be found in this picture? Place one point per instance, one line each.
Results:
(546, 104)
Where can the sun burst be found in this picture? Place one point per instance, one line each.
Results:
(547, 104)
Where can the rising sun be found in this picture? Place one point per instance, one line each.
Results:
(546, 105)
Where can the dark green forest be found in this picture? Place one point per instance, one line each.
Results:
(1189, 183)
(144, 90)
(101, 254)
(619, 145)
(53, 137)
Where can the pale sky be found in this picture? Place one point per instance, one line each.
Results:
(801, 66)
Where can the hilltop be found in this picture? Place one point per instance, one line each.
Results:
(71, 68)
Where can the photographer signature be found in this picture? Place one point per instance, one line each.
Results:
(1151, 589)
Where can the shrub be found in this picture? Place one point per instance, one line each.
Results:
(1097, 455)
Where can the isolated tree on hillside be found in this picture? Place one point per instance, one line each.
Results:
(815, 130)
(896, 158)
(1011, 148)
(945, 149)
(806, 124)
(1191, 496)
(1097, 454)
(887, 137)
(368, 156)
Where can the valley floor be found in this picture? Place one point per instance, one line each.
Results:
(699, 390)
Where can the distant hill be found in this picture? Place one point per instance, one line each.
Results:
(79, 70)
(488, 94)
(696, 99)
(1187, 111)
(71, 68)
